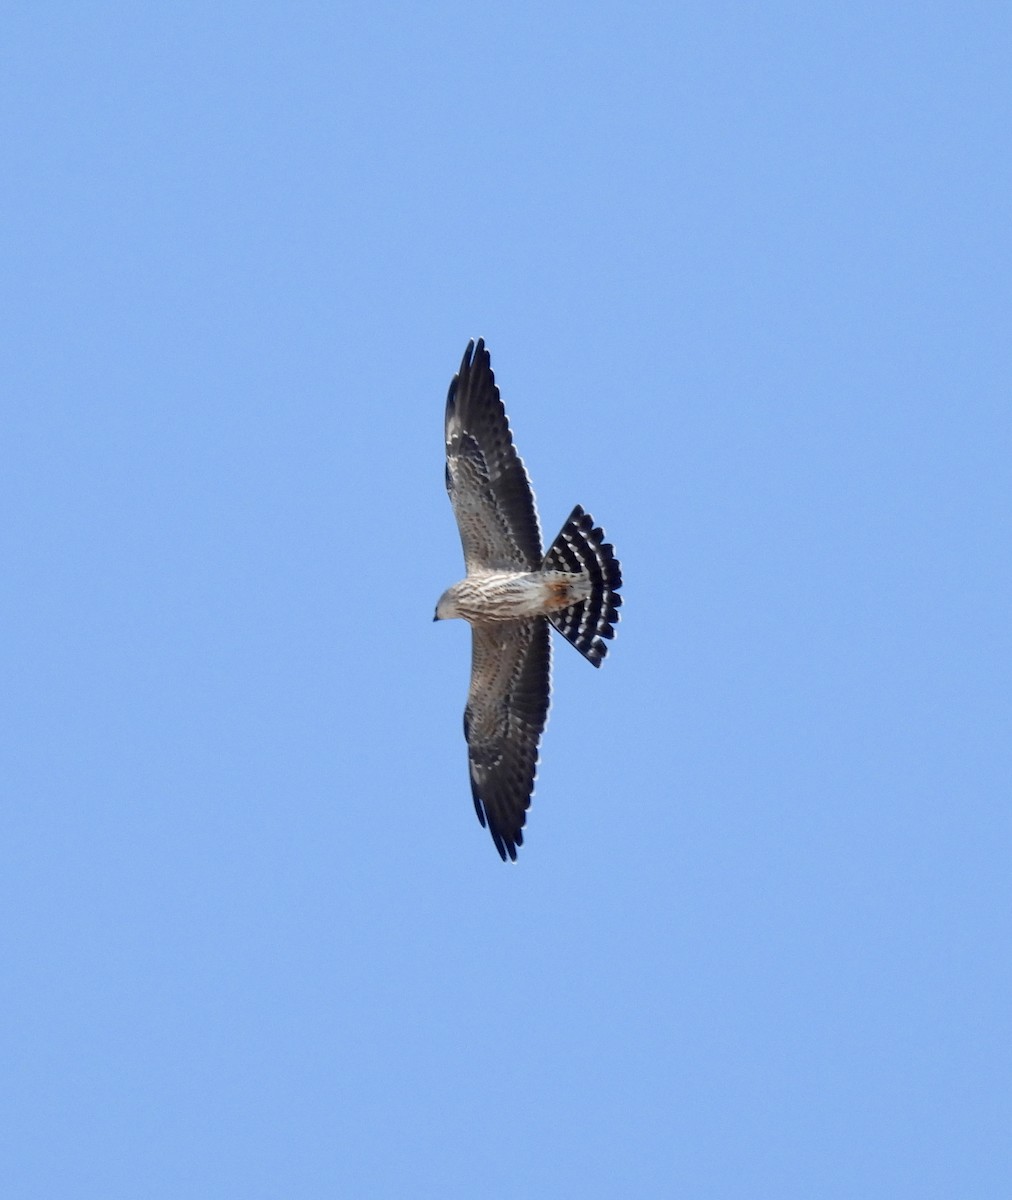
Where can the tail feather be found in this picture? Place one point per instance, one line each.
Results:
(581, 548)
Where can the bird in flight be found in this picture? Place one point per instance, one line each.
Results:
(511, 593)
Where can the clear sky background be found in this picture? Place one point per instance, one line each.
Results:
(746, 276)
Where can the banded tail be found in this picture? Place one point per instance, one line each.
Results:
(580, 547)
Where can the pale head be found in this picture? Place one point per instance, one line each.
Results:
(446, 606)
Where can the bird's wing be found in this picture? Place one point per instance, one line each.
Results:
(488, 485)
(507, 707)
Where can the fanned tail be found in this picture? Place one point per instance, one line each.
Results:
(581, 548)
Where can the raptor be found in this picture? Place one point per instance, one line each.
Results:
(511, 594)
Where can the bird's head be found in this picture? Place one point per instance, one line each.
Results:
(447, 606)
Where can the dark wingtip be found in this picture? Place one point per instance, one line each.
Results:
(474, 353)
(462, 373)
(506, 844)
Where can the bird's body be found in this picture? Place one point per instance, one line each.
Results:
(510, 595)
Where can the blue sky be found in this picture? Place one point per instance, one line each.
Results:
(746, 276)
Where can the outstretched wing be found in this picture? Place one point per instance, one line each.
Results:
(488, 485)
(507, 707)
